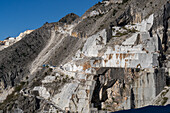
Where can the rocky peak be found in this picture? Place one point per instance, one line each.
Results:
(68, 19)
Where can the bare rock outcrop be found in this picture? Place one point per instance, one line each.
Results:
(114, 57)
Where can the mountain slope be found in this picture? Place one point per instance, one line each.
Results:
(114, 57)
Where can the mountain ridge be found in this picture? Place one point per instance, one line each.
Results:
(90, 63)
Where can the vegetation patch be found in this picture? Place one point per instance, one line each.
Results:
(37, 82)
(164, 93)
(13, 96)
(119, 33)
(165, 99)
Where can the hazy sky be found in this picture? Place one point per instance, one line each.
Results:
(17, 16)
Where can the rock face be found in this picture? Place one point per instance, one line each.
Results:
(114, 57)
(128, 88)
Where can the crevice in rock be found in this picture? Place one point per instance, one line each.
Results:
(95, 98)
(166, 16)
(109, 33)
(100, 92)
(132, 99)
(37, 101)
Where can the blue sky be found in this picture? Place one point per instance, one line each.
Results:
(17, 16)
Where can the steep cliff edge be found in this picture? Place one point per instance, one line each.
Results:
(114, 57)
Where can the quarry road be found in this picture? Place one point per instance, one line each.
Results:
(47, 51)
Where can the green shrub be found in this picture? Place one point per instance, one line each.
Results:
(133, 30)
(164, 100)
(163, 94)
(67, 76)
(64, 80)
(119, 34)
(72, 78)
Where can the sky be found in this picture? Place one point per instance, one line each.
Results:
(17, 16)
